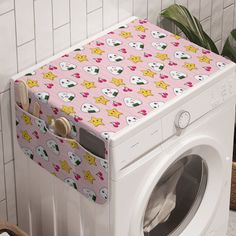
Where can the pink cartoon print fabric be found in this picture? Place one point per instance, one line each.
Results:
(64, 158)
(118, 79)
(103, 87)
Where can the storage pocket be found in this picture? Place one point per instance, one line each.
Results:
(62, 157)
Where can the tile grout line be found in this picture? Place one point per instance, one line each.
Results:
(17, 61)
(70, 22)
(67, 23)
(35, 43)
(29, 41)
(4, 13)
(88, 12)
(53, 43)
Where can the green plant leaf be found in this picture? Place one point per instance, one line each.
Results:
(229, 49)
(190, 26)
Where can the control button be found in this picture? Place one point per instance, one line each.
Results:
(182, 119)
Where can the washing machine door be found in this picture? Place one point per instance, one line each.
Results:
(186, 193)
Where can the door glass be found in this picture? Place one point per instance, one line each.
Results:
(176, 197)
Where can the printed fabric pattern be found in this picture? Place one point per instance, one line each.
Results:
(121, 77)
(64, 158)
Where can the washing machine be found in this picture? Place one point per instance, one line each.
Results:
(149, 151)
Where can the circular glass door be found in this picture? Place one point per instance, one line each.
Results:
(176, 197)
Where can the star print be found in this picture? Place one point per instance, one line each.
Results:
(91, 159)
(81, 57)
(88, 85)
(96, 121)
(162, 57)
(88, 176)
(140, 28)
(32, 83)
(114, 112)
(190, 66)
(148, 73)
(205, 59)
(135, 59)
(126, 35)
(191, 48)
(145, 92)
(117, 81)
(73, 144)
(65, 166)
(97, 51)
(162, 84)
(176, 36)
(102, 100)
(68, 109)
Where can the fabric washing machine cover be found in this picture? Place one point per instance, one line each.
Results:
(110, 90)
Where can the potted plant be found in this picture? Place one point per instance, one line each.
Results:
(193, 30)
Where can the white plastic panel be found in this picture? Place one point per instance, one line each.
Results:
(2, 182)
(43, 29)
(24, 21)
(129, 150)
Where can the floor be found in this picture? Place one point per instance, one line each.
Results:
(232, 224)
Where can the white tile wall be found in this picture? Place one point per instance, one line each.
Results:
(33, 30)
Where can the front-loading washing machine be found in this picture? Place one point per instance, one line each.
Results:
(150, 120)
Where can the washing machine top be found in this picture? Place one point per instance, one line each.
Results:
(119, 78)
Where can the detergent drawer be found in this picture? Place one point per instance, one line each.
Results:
(128, 151)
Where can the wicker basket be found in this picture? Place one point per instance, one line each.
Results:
(233, 185)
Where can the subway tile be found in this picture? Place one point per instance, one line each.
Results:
(206, 25)
(227, 22)
(93, 5)
(110, 13)
(3, 210)
(216, 19)
(6, 5)
(228, 3)
(2, 179)
(43, 29)
(125, 9)
(205, 9)
(8, 58)
(219, 45)
(193, 7)
(10, 192)
(166, 3)
(6, 126)
(140, 8)
(182, 2)
(94, 22)
(26, 55)
(61, 38)
(24, 21)
(78, 17)
(60, 12)
(154, 10)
